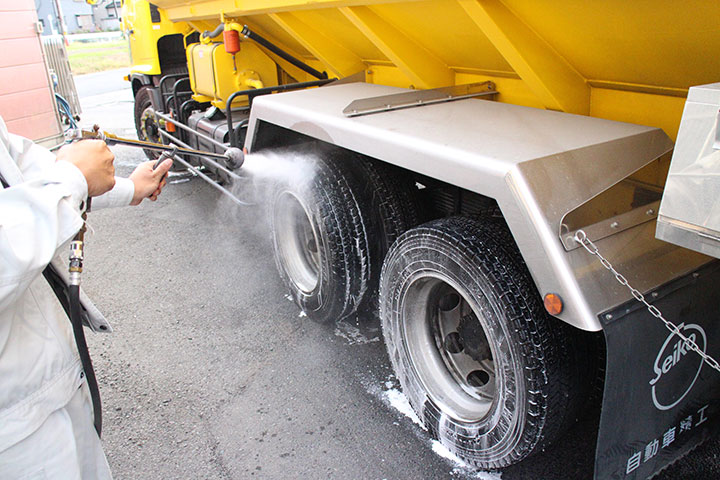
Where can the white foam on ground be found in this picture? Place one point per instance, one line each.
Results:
(352, 334)
(397, 400)
(461, 467)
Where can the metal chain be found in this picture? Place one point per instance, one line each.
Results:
(592, 249)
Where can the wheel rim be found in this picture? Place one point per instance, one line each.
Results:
(148, 126)
(297, 242)
(448, 347)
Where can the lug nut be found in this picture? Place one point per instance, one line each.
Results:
(453, 343)
(478, 378)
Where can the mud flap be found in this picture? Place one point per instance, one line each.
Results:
(660, 399)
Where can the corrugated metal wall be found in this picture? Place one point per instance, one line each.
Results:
(57, 61)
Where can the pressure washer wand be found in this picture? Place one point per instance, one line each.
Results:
(165, 155)
(233, 155)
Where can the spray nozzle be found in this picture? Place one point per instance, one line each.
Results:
(235, 158)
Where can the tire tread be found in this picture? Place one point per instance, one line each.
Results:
(553, 382)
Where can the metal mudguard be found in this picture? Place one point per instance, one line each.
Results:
(660, 399)
(537, 164)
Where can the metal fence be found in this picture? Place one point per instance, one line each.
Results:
(58, 66)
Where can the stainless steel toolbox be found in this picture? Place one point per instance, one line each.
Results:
(690, 209)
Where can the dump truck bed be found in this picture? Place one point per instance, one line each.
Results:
(632, 62)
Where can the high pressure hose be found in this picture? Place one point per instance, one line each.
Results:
(75, 269)
(76, 320)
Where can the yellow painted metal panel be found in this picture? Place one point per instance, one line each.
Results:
(336, 26)
(143, 35)
(556, 83)
(444, 29)
(666, 43)
(386, 75)
(422, 68)
(630, 61)
(512, 90)
(642, 108)
(267, 27)
(214, 73)
(270, 34)
(186, 9)
(341, 61)
(201, 70)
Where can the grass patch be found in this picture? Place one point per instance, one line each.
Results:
(92, 57)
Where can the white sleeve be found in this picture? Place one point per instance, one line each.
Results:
(120, 196)
(37, 215)
(33, 160)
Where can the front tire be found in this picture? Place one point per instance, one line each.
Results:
(146, 126)
(490, 374)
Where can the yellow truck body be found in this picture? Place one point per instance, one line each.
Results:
(627, 61)
(568, 160)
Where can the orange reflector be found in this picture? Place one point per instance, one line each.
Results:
(553, 304)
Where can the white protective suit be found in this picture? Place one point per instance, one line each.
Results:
(46, 428)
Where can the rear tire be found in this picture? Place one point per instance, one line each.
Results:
(392, 208)
(491, 375)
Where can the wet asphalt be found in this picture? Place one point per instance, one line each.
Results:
(212, 373)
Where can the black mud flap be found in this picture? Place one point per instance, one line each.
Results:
(660, 399)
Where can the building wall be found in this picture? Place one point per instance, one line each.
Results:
(26, 99)
(105, 14)
(72, 10)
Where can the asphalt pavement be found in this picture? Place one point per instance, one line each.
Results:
(212, 373)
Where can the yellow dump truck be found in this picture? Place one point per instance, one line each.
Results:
(487, 177)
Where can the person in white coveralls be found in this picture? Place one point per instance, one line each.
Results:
(46, 418)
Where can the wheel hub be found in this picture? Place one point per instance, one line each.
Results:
(449, 348)
(465, 349)
(473, 338)
(296, 242)
(148, 126)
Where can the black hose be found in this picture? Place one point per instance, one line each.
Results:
(247, 33)
(220, 28)
(76, 320)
